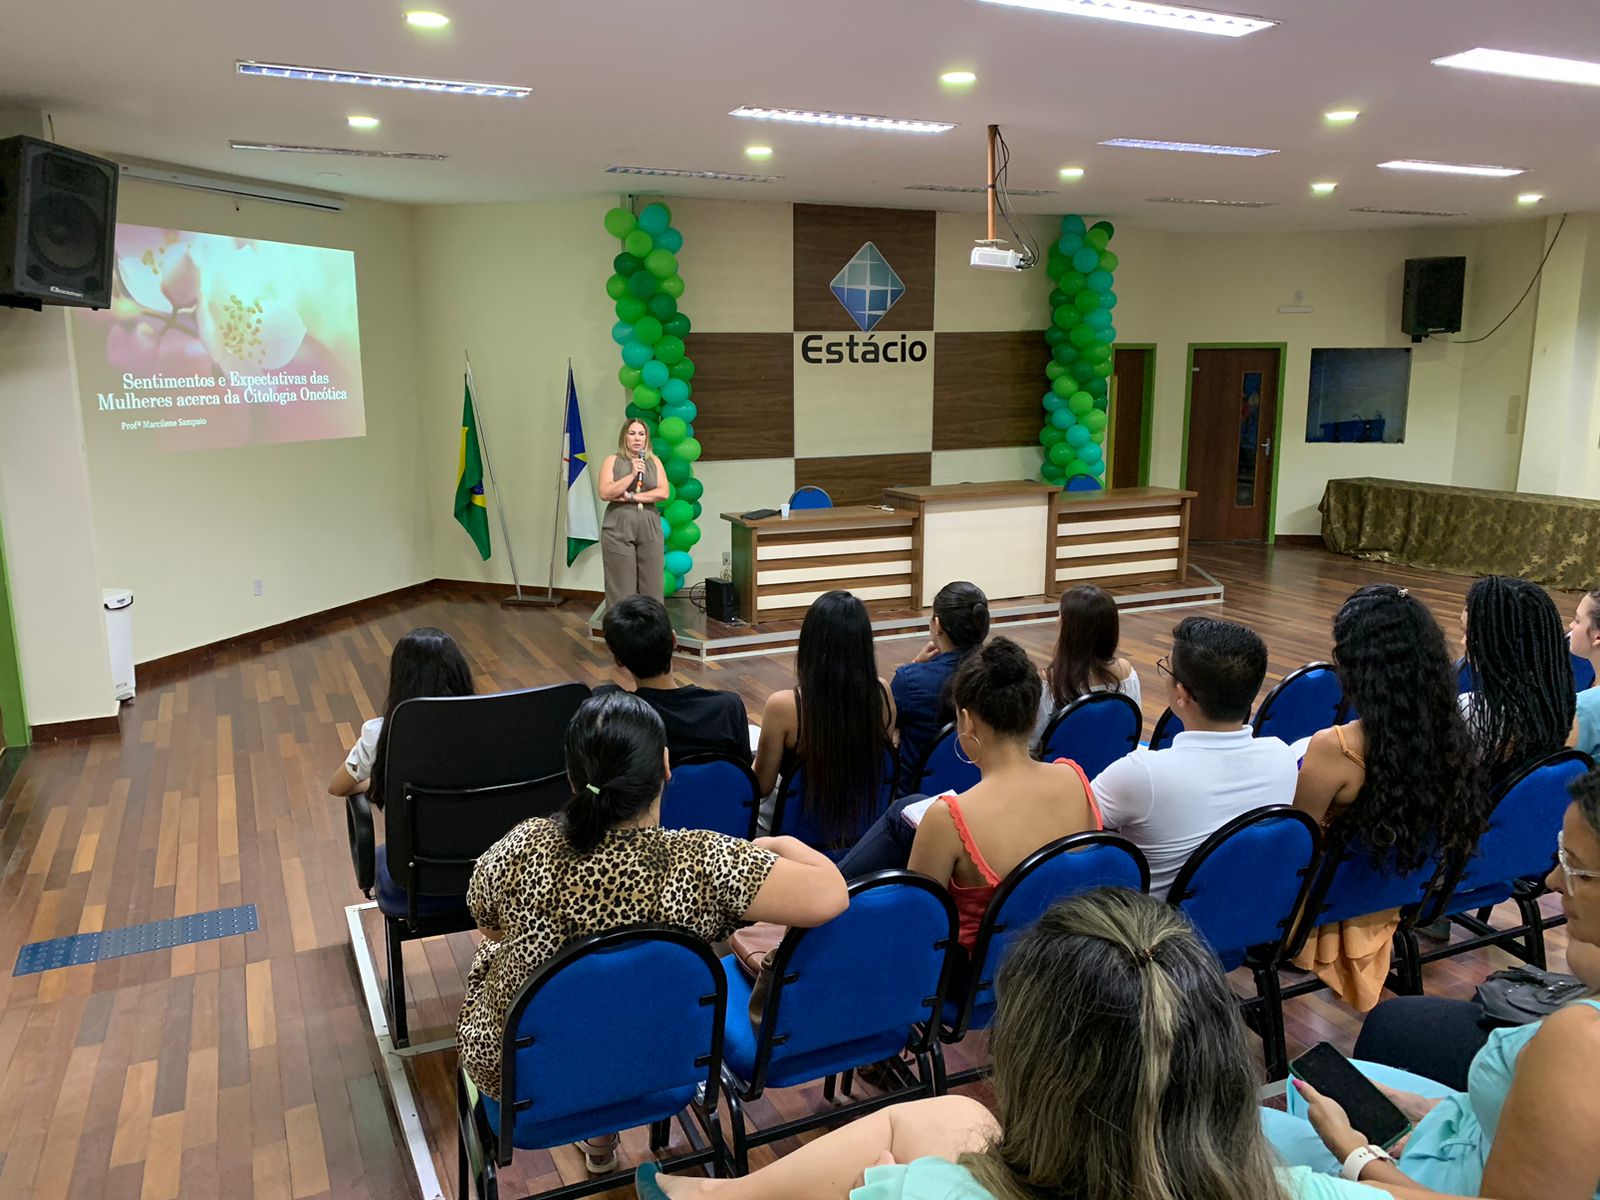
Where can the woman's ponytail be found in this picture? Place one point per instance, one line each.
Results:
(615, 763)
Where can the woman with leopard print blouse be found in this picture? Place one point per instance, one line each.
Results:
(604, 863)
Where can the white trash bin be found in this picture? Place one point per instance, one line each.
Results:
(119, 637)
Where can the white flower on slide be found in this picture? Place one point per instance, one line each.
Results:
(155, 267)
(249, 315)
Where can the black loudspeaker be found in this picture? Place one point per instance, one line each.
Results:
(722, 602)
(1431, 302)
(58, 220)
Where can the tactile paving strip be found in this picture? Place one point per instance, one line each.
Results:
(135, 939)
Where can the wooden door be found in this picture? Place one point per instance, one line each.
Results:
(1129, 375)
(1233, 407)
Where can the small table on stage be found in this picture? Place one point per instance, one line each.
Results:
(780, 566)
(990, 533)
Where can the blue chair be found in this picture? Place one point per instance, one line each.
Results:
(1466, 677)
(1582, 673)
(1066, 867)
(1514, 854)
(712, 791)
(1308, 700)
(1242, 889)
(810, 497)
(1093, 731)
(1167, 727)
(578, 1062)
(942, 768)
(792, 818)
(1083, 483)
(857, 990)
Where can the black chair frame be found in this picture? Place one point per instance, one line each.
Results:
(919, 1039)
(1265, 710)
(482, 1149)
(1160, 731)
(991, 927)
(1083, 702)
(1264, 1013)
(756, 795)
(947, 730)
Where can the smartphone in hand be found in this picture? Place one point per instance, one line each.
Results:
(1369, 1110)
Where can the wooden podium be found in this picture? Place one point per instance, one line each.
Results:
(990, 533)
(780, 566)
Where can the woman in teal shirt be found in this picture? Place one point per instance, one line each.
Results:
(1583, 639)
(1121, 1072)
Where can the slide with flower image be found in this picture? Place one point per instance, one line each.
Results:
(213, 342)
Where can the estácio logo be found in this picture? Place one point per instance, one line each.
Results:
(868, 288)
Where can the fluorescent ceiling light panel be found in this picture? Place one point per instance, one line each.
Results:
(678, 173)
(1216, 203)
(413, 83)
(421, 19)
(958, 77)
(1323, 187)
(1187, 147)
(1162, 16)
(976, 188)
(804, 116)
(1071, 172)
(1530, 197)
(285, 148)
(1341, 116)
(1524, 66)
(1442, 168)
(1408, 212)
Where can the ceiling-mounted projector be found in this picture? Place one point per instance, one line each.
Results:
(996, 256)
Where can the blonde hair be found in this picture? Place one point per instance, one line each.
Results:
(622, 434)
(1121, 1070)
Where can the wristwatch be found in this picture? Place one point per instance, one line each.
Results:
(1357, 1161)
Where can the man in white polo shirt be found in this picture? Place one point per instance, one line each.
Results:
(1168, 802)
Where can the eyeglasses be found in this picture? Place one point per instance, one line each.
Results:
(1164, 667)
(1569, 871)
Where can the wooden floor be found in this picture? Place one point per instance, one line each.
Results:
(244, 1067)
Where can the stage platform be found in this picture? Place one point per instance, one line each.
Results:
(700, 638)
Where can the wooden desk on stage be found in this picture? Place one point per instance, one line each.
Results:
(1124, 535)
(780, 567)
(990, 533)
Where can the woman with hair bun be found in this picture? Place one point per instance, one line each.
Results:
(921, 688)
(603, 863)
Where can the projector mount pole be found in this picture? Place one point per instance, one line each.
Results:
(989, 181)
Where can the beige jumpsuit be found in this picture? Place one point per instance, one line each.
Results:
(631, 548)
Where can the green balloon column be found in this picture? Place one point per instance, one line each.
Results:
(656, 373)
(1080, 337)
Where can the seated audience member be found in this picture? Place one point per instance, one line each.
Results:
(1403, 781)
(836, 720)
(1085, 658)
(972, 841)
(1121, 1072)
(550, 881)
(1523, 701)
(1583, 639)
(426, 662)
(921, 688)
(698, 720)
(1527, 1124)
(1168, 802)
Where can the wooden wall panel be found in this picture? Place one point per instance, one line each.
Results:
(744, 391)
(987, 388)
(827, 236)
(861, 478)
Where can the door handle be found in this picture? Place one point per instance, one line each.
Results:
(1266, 447)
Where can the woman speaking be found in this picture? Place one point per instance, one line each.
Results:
(632, 481)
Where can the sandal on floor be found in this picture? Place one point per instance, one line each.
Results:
(644, 1182)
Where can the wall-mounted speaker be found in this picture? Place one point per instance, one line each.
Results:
(58, 220)
(1431, 302)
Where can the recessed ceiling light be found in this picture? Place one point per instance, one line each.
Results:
(362, 122)
(803, 116)
(1524, 66)
(1323, 187)
(975, 188)
(679, 173)
(1341, 116)
(422, 19)
(1216, 203)
(1187, 147)
(1441, 168)
(329, 175)
(1530, 197)
(285, 148)
(413, 83)
(758, 151)
(959, 77)
(1071, 172)
(1164, 16)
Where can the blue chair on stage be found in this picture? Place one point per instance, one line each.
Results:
(1515, 853)
(1093, 731)
(1066, 867)
(791, 816)
(712, 791)
(1167, 727)
(942, 768)
(578, 1062)
(1083, 483)
(810, 497)
(1308, 700)
(857, 990)
(1242, 889)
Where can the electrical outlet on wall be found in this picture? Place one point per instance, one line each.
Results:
(256, 588)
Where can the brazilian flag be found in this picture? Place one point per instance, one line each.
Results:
(472, 507)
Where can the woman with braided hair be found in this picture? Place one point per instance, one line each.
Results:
(1522, 703)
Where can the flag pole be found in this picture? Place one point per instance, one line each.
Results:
(561, 491)
(517, 599)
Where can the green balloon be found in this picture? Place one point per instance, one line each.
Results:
(684, 536)
(1084, 260)
(654, 218)
(669, 583)
(1080, 403)
(1057, 298)
(1109, 261)
(638, 243)
(1066, 355)
(1078, 467)
(1085, 301)
(1110, 229)
(1099, 439)
(1102, 369)
(1082, 370)
(626, 265)
(672, 285)
(1080, 336)
(633, 411)
(669, 349)
(1054, 370)
(1052, 402)
(619, 222)
(1108, 299)
(688, 449)
(1094, 420)
(1062, 418)
(663, 307)
(678, 513)
(616, 286)
(1051, 473)
(1069, 244)
(1098, 353)
(691, 489)
(642, 284)
(1055, 266)
(1095, 387)
(660, 263)
(678, 562)
(1090, 454)
(674, 391)
(1049, 436)
(1078, 435)
(1063, 386)
(629, 308)
(677, 325)
(648, 330)
(678, 473)
(683, 369)
(1054, 336)
(1097, 239)
(1101, 402)
(674, 429)
(1061, 453)
(655, 374)
(1072, 223)
(1066, 316)
(1072, 282)
(629, 377)
(646, 396)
